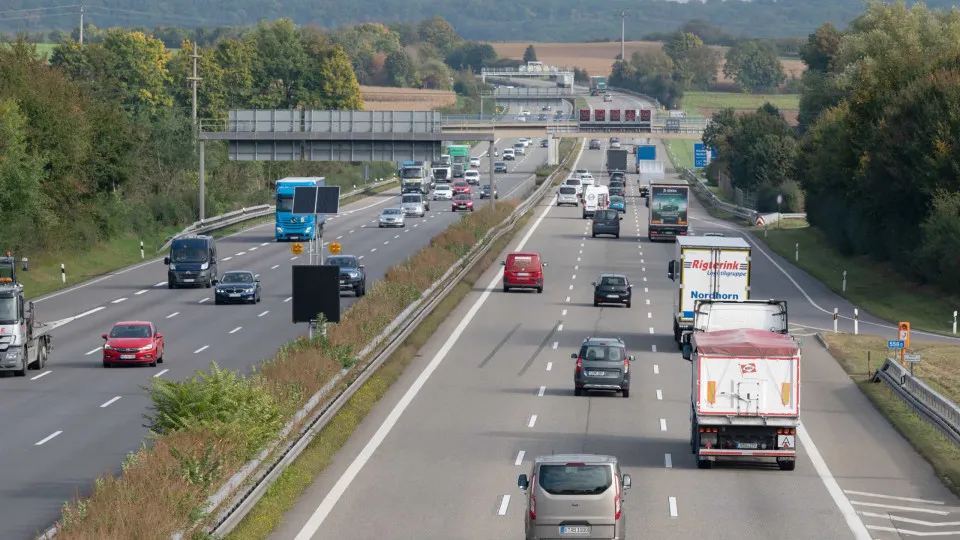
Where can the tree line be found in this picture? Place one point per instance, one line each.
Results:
(875, 161)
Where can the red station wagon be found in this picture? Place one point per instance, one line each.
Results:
(523, 271)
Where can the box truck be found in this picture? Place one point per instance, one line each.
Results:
(667, 204)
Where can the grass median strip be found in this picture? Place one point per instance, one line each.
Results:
(937, 368)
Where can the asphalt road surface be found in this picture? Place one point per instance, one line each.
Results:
(439, 456)
(74, 420)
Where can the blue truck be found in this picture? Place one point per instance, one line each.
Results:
(288, 226)
(646, 152)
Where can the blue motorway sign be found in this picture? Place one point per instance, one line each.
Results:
(895, 344)
(699, 155)
(713, 153)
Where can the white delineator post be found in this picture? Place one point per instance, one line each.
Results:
(844, 281)
(141, 250)
(63, 273)
(836, 316)
(954, 322)
(796, 255)
(856, 321)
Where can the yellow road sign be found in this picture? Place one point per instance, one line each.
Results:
(297, 248)
(334, 247)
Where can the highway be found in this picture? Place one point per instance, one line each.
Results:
(439, 456)
(74, 420)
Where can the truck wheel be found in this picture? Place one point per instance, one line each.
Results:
(41, 357)
(787, 465)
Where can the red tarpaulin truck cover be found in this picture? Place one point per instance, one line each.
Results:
(745, 343)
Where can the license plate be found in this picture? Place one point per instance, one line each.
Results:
(613, 296)
(188, 281)
(234, 295)
(567, 529)
(596, 373)
(127, 356)
(523, 274)
(342, 282)
(747, 446)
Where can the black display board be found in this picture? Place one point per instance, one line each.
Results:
(316, 290)
(316, 200)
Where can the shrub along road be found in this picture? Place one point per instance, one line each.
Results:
(83, 420)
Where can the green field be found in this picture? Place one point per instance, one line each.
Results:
(694, 101)
(680, 152)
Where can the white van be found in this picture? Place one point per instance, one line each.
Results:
(567, 195)
(595, 198)
(575, 183)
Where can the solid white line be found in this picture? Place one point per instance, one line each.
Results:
(672, 501)
(109, 401)
(235, 330)
(287, 299)
(201, 349)
(44, 374)
(93, 351)
(654, 347)
(668, 461)
(141, 291)
(663, 424)
(326, 506)
(549, 366)
(563, 313)
(891, 497)
(533, 421)
(902, 508)
(274, 267)
(906, 532)
(542, 390)
(264, 313)
(161, 284)
(89, 312)
(502, 511)
(659, 395)
(656, 369)
(519, 459)
(555, 345)
(161, 372)
(47, 438)
(172, 315)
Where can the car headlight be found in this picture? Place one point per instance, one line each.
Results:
(280, 230)
(148, 347)
(303, 219)
(308, 229)
(204, 266)
(106, 346)
(173, 266)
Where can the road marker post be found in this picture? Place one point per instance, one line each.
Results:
(954, 322)
(141, 250)
(797, 253)
(63, 273)
(844, 287)
(856, 321)
(836, 316)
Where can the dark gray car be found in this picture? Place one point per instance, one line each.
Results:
(606, 222)
(602, 364)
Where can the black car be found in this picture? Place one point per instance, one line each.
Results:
(645, 191)
(606, 222)
(485, 192)
(544, 143)
(352, 275)
(594, 144)
(542, 118)
(546, 108)
(618, 176)
(237, 286)
(500, 167)
(617, 184)
(612, 289)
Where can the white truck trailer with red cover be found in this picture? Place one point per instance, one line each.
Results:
(746, 397)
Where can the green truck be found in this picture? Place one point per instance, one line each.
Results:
(598, 85)
(460, 153)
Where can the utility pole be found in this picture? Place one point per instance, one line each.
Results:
(623, 27)
(194, 81)
(81, 24)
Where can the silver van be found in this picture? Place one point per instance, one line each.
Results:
(575, 496)
(414, 204)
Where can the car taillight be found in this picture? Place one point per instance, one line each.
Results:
(533, 499)
(616, 502)
(626, 365)
(579, 364)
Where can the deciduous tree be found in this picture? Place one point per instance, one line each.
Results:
(755, 66)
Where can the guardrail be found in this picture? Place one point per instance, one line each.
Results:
(930, 405)
(246, 214)
(317, 416)
(747, 213)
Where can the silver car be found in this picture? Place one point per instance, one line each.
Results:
(392, 217)
(414, 204)
(575, 496)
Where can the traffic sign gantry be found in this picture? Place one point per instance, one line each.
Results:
(334, 247)
(297, 248)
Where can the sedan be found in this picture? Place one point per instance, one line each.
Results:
(474, 162)
(461, 188)
(240, 286)
(133, 342)
(594, 144)
(500, 167)
(462, 202)
(485, 192)
(392, 217)
(612, 289)
(542, 118)
(442, 193)
(472, 177)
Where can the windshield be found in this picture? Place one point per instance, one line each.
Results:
(499, 164)
(617, 199)
(411, 173)
(573, 182)
(613, 281)
(602, 353)
(575, 479)
(8, 310)
(187, 251)
(342, 262)
(284, 204)
(130, 331)
(392, 211)
(411, 198)
(606, 215)
(568, 190)
(442, 188)
(237, 277)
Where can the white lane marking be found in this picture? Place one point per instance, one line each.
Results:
(172, 315)
(141, 291)
(659, 395)
(387, 242)
(47, 439)
(648, 301)
(372, 250)
(504, 502)
(88, 353)
(668, 461)
(641, 260)
(235, 330)
(264, 313)
(397, 236)
(339, 237)
(204, 300)
(89, 312)
(576, 267)
(118, 300)
(555, 345)
(571, 287)
(902, 508)
(563, 313)
(274, 267)
(227, 258)
(663, 424)
(44, 374)
(651, 329)
(351, 232)
(891, 497)
(360, 257)
(161, 284)
(549, 366)
(109, 401)
(574, 276)
(240, 254)
(415, 225)
(907, 532)
(201, 349)
(265, 244)
(916, 522)
(654, 347)
(313, 524)
(656, 369)
(559, 328)
(287, 299)
(254, 248)
(568, 299)
(644, 279)
(161, 373)
(672, 502)
(519, 459)
(649, 315)
(532, 422)
(293, 258)
(643, 269)
(542, 390)
(578, 258)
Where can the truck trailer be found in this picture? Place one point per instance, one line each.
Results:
(707, 268)
(25, 343)
(667, 217)
(745, 397)
(616, 160)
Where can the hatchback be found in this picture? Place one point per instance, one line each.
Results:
(594, 144)
(612, 289)
(606, 222)
(133, 342)
(602, 364)
(474, 162)
(472, 177)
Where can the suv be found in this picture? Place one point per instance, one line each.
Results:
(602, 364)
(353, 277)
(575, 495)
(509, 155)
(612, 289)
(618, 176)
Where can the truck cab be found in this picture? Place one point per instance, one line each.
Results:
(289, 226)
(24, 343)
(413, 177)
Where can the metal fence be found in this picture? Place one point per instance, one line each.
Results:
(930, 405)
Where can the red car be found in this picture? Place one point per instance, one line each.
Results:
(462, 202)
(461, 188)
(133, 342)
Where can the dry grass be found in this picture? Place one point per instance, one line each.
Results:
(385, 98)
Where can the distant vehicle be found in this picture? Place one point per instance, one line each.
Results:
(414, 204)
(485, 192)
(443, 193)
(616, 190)
(614, 144)
(541, 117)
(461, 188)
(567, 195)
(645, 192)
(133, 342)
(602, 364)
(461, 202)
(442, 174)
(192, 262)
(574, 183)
(606, 222)
(240, 286)
(472, 177)
(353, 277)
(525, 141)
(618, 176)
(607, 98)
(612, 289)
(500, 167)
(546, 108)
(509, 154)
(392, 217)
(520, 149)
(544, 143)
(595, 199)
(474, 162)
(667, 218)
(521, 118)
(594, 144)
(618, 203)
(523, 271)
(26, 341)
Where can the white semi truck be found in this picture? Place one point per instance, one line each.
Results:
(707, 268)
(25, 343)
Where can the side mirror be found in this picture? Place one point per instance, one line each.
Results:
(543, 264)
(627, 482)
(522, 482)
(360, 267)
(593, 283)
(670, 269)
(630, 286)
(104, 336)
(166, 260)
(574, 356)
(631, 358)
(215, 281)
(687, 351)
(257, 280)
(159, 336)
(503, 263)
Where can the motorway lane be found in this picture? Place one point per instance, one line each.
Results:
(96, 414)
